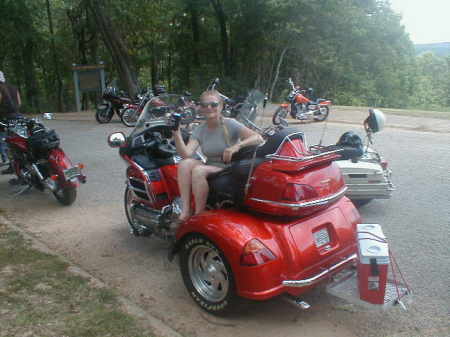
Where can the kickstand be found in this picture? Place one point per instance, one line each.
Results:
(23, 190)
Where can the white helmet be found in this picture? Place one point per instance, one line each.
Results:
(375, 121)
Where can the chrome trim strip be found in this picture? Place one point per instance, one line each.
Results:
(302, 136)
(306, 203)
(150, 194)
(316, 278)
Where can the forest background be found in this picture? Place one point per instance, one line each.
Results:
(355, 52)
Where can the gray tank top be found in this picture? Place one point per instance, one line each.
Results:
(213, 141)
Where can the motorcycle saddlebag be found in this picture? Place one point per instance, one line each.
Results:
(44, 140)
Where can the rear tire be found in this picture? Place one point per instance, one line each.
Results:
(324, 111)
(66, 196)
(207, 275)
(280, 113)
(104, 115)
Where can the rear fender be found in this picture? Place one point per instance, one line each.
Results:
(59, 161)
(230, 231)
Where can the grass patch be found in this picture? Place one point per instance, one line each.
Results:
(39, 297)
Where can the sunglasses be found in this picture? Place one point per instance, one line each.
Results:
(207, 104)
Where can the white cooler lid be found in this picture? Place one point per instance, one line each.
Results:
(369, 246)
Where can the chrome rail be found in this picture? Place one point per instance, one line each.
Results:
(306, 203)
(316, 278)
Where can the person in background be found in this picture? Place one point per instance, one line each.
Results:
(9, 109)
(218, 138)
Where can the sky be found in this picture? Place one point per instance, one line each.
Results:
(426, 21)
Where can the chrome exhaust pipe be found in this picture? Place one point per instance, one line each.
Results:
(38, 173)
(145, 215)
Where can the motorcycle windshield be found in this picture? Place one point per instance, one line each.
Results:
(249, 112)
(157, 110)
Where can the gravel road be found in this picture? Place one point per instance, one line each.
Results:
(93, 234)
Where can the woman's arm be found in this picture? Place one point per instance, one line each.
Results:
(185, 151)
(248, 138)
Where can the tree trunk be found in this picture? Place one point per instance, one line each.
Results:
(116, 47)
(221, 18)
(192, 7)
(31, 86)
(277, 72)
(59, 81)
(154, 65)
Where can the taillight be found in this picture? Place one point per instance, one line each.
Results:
(255, 253)
(384, 164)
(298, 192)
(54, 177)
(80, 166)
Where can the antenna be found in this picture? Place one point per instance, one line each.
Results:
(323, 131)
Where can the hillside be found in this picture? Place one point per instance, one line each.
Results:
(440, 49)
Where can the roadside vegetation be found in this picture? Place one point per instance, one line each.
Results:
(353, 52)
(40, 297)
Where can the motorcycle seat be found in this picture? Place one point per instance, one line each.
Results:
(227, 186)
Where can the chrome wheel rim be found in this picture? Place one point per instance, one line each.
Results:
(208, 273)
(130, 202)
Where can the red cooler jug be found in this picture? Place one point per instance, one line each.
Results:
(373, 263)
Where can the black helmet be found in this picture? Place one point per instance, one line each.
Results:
(159, 89)
(350, 139)
(352, 146)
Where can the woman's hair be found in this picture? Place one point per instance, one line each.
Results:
(216, 94)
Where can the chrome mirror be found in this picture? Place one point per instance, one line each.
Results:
(116, 139)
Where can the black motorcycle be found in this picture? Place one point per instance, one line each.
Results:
(114, 101)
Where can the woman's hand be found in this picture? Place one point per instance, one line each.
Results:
(229, 151)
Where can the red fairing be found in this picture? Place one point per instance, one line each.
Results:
(59, 162)
(18, 142)
(291, 242)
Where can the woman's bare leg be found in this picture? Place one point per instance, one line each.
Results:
(200, 186)
(185, 168)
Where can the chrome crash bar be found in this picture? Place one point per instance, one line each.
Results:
(318, 277)
(311, 203)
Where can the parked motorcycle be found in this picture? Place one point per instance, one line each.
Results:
(366, 174)
(113, 102)
(162, 105)
(131, 111)
(277, 222)
(233, 106)
(38, 160)
(301, 107)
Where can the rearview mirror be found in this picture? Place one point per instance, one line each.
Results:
(116, 139)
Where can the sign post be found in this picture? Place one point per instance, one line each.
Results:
(88, 78)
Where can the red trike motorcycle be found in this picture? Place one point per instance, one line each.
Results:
(38, 160)
(302, 107)
(277, 220)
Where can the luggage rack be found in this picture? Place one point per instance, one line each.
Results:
(345, 286)
(302, 156)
